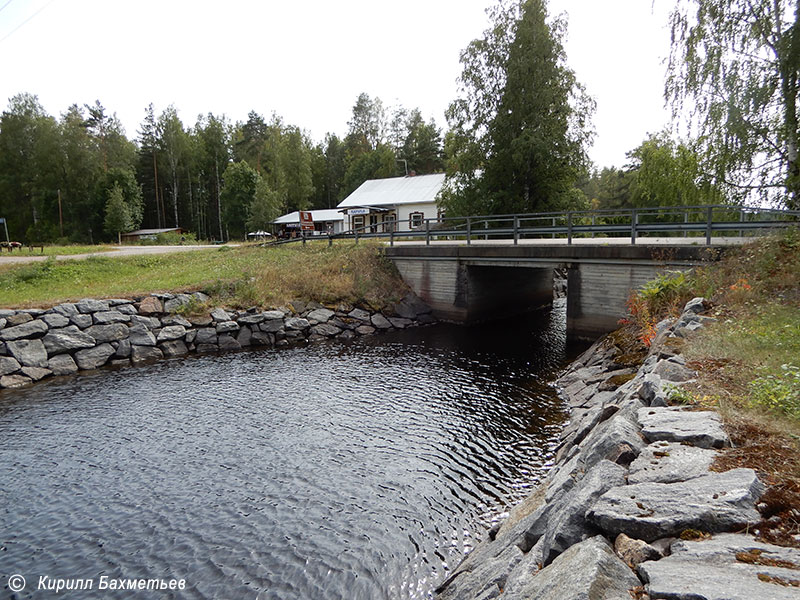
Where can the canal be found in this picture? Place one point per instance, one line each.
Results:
(332, 471)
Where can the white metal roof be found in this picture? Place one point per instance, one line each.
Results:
(396, 190)
(327, 214)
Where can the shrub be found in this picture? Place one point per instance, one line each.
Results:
(778, 393)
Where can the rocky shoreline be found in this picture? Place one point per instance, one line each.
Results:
(89, 334)
(630, 509)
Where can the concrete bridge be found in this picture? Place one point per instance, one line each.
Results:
(480, 281)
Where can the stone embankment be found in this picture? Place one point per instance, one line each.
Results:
(39, 343)
(630, 509)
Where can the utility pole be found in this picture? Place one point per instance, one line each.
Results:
(60, 215)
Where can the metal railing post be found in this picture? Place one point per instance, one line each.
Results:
(594, 224)
(685, 222)
(634, 223)
(355, 233)
(516, 230)
(741, 220)
(553, 235)
(303, 234)
(330, 240)
(391, 236)
(427, 232)
(569, 228)
(709, 217)
(469, 231)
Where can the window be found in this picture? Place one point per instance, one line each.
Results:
(415, 220)
(358, 222)
(373, 223)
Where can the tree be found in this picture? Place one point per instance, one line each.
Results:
(118, 217)
(264, 208)
(240, 186)
(520, 127)
(665, 173)
(738, 61)
(172, 143)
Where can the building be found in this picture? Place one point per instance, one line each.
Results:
(328, 220)
(148, 234)
(378, 203)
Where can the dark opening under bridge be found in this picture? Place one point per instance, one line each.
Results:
(476, 268)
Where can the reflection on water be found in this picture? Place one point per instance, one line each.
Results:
(330, 471)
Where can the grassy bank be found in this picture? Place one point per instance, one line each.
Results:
(748, 363)
(237, 277)
(58, 250)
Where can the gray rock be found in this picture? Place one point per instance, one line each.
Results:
(244, 337)
(93, 358)
(3, 323)
(8, 365)
(190, 336)
(6, 312)
(31, 329)
(271, 325)
(634, 552)
(54, 320)
(567, 524)
(126, 309)
(110, 316)
(14, 381)
(226, 327)
(168, 320)
(119, 302)
(716, 502)
(321, 315)
(172, 332)
(207, 335)
(90, 305)
(365, 330)
(672, 370)
(227, 343)
(710, 570)
(296, 323)
(668, 462)
(587, 571)
(219, 314)
(482, 575)
(108, 333)
(29, 353)
(361, 315)
(123, 349)
(207, 348)
(381, 322)
(18, 318)
(695, 306)
(62, 364)
(325, 330)
(270, 315)
(151, 306)
(174, 347)
(144, 354)
(201, 297)
(650, 387)
(251, 319)
(259, 338)
(82, 321)
(346, 335)
(177, 302)
(67, 309)
(672, 424)
(58, 341)
(400, 322)
(140, 335)
(616, 439)
(147, 322)
(36, 373)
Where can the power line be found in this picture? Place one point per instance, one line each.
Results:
(13, 31)
(6, 4)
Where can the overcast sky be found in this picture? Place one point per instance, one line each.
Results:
(308, 60)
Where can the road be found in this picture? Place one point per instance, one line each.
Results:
(21, 256)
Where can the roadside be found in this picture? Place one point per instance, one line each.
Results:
(24, 257)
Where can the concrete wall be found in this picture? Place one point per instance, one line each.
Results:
(597, 295)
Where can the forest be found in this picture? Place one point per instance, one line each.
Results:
(517, 139)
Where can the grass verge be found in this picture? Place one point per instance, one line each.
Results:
(59, 250)
(238, 277)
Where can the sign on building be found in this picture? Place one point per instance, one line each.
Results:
(358, 211)
(306, 220)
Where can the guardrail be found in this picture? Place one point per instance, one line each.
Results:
(702, 221)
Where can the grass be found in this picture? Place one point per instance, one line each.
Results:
(748, 364)
(59, 250)
(238, 277)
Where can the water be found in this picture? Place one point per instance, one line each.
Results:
(330, 471)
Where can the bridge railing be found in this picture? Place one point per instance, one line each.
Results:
(636, 223)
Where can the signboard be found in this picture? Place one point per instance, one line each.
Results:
(306, 220)
(358, 211)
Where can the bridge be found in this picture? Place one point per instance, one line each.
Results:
(480, 267)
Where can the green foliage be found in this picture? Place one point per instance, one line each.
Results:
(238, 193)
(264, 208)
(118, 217)
(667, 293)
(520, 127)
(778, 392)
(678, 395)
(738, 62)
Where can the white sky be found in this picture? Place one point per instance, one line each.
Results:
(308, 60)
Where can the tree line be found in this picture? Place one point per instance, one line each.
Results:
(517, 139)
(78, 178)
